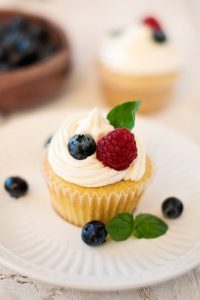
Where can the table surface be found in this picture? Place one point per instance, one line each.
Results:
(181, 115)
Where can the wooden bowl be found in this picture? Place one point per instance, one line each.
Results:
(28, 86)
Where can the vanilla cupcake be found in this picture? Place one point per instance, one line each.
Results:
(94, 168)
(139, 62)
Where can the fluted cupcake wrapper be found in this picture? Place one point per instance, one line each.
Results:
(79, 205)
(154, 91)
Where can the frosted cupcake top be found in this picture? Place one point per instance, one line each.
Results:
(91, 152)
(141, 49)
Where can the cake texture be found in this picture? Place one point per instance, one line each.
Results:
(140, 62)
(95, 168)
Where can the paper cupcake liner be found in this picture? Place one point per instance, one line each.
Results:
(79, 205)
(154, 91)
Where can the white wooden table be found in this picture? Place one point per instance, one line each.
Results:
(182, 115)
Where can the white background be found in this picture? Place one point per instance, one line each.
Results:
(87, 20)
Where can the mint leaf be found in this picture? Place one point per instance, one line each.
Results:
(148, 226)
(123, 115)
(115, 33)
(120, 227)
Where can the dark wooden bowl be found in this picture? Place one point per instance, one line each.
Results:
(28, 86)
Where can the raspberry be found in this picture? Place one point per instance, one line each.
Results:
(152, 23)
(117, 149)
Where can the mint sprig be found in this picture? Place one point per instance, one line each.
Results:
(120, 227)
(123, 225)
(148, 226)
(116, 32)
(123, 115)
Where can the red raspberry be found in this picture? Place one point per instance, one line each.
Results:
(117, 149)
(152, 23)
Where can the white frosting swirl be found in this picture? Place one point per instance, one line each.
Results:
(94, 124)
(89, 172)
(135, 52)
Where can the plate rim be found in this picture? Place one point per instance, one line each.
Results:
(88, 287)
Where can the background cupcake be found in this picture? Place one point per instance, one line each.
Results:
(139, 62)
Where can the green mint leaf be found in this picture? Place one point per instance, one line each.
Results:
(148, 226)
(123, 115)
(120, 227)
(115, 33)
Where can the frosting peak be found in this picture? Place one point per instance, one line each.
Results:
(95, 124)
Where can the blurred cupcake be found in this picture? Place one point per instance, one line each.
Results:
(94, 169)
(139, 62)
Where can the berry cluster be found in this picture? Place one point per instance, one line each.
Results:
(158, 34)
(22, 43)
(115, 150)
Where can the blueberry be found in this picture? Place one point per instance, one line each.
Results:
(3, 32)
(159, 36)
(9, 41)
(16, 186)
(47, 50)
(36, 31)
(13, 58)
(172, 208)
(94, 233)
(29, 56)
(2, 53)
(81, 146)
(23, 43)
(18, 24)
(4, 66)
(48, 141)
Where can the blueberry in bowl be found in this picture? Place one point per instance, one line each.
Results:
(34, 60)
(26, 39)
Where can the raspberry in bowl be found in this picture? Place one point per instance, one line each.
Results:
(96, 166)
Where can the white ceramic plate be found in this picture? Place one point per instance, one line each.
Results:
(35, 241)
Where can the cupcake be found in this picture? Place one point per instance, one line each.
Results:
(139, 62)
(96, 166)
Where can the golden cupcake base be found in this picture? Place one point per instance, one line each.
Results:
(79, 205)
(154, 91)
